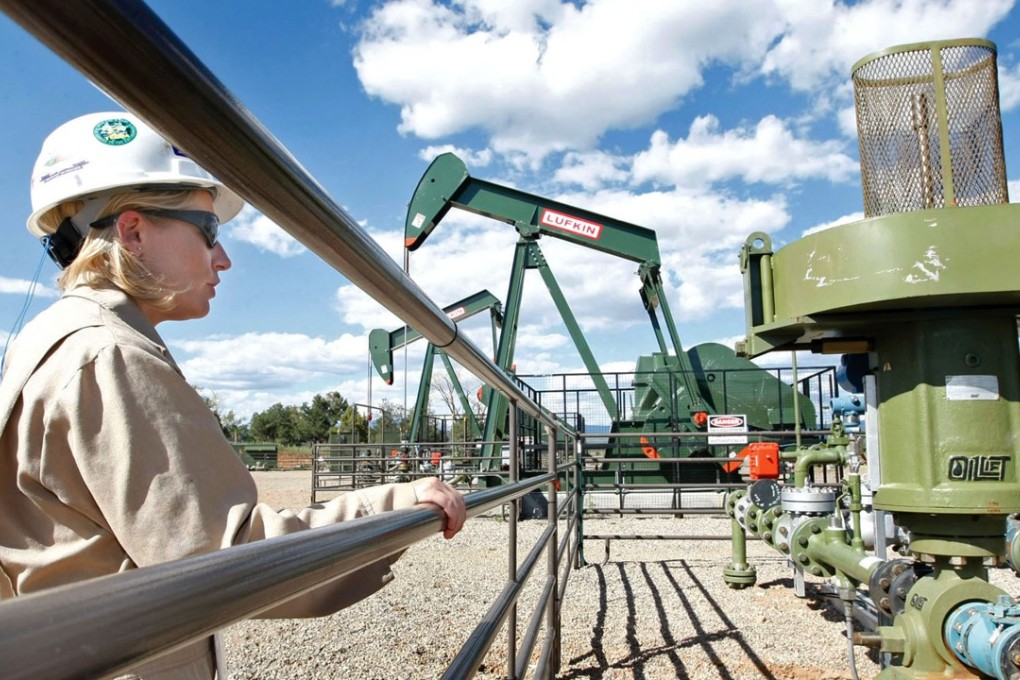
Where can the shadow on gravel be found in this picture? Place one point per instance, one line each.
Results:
(816, 598)
(639, 656)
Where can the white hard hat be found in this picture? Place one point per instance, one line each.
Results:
(101, 154)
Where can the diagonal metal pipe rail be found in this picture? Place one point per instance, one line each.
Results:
(126, 49)
(99, 627)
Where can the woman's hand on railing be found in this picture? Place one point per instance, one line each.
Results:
(449, 500)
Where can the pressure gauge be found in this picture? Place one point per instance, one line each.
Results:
(764, 493)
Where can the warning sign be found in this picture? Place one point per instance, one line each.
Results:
(727, 429)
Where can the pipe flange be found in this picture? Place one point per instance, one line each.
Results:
(880, 585)
(800, 539)
(809, 501)
(783, 530)
(740, 576)
(740, 512)
(768, 525)
(732, 498)
(903, 582)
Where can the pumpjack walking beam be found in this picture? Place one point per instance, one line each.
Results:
(446, 184)
(382, 343)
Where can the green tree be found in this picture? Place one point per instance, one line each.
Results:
(234, 428)
(458, 428)
(278, 423)
(353, 426)
(319, 417)
(390, 424)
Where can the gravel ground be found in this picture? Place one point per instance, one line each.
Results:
(654, 609)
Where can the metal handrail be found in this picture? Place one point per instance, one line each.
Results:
(126, 49)
(106, 625)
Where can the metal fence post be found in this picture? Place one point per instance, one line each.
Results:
(579, 495)
(515, 513)
(553, 606)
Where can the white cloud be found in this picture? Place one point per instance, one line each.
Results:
(845, 219)
(471, 158)
(543, 76)
(690, 222)
(1009, 87)
(591, 170)
(251, 372)
(522, 77)
(1014, 190)
(21, 287)
(705, 286)
(537, 338)
(253, 227)
(265, 361)
(846, 119)
(805, 361)
(358, 308)
(769, 152)
(821, 41)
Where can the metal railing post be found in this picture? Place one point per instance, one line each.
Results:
(511, 625)
(552, 620)
(579, 445)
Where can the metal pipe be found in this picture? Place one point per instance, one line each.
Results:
(477, 645)
(568, 546)
(759, 435)
(515, 516)
(543, 670)
(785, 455)
(123, 47)
(637, 487)
(656, 511)
(531, 633)
(111, 623)
(796, 399)
(853, 483)
(665, 537)
(738, 545)
(808, 457)
(553, 605)
(768, 295)
(830, 548)
(579, 500)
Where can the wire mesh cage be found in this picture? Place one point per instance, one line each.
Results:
(929, 128)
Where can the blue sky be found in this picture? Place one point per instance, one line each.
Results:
(703, 121)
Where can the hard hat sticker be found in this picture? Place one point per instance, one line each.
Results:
(115, 131)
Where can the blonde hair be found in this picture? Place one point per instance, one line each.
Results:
(103, 260)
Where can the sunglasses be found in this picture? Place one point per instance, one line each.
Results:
(206, 222)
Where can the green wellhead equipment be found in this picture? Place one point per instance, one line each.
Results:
(922, 296)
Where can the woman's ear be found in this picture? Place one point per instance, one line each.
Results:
(129, 229)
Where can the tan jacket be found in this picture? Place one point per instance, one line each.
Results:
(110, 461)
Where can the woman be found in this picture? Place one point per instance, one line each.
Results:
(109, 460)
